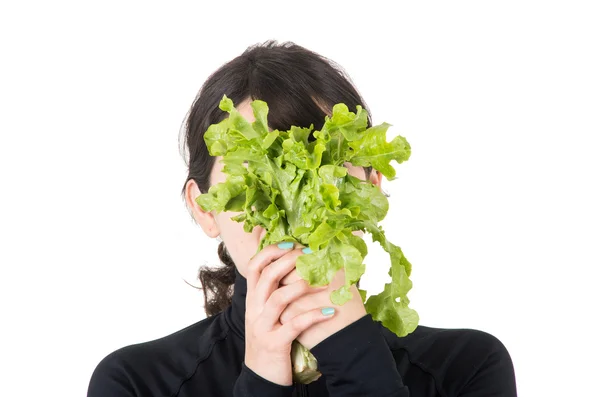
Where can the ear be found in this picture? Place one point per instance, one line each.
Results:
(205, 219)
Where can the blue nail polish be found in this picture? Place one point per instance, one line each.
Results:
(307, 250)
(286, 245)
(328, 311)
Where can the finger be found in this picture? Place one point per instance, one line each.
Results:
(290, 331)
(291, 277)
(261, 260)
(305, 303)
(280, 299)
(272, 275)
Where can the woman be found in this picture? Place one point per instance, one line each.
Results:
(243, 347)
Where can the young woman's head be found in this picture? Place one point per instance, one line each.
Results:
(300, 88)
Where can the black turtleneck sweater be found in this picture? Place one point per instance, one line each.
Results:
(363, 359)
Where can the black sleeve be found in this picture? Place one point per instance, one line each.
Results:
(109, 379)
(357, 361)
(495, 376)
(250, 384)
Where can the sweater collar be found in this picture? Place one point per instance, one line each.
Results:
(236, 313)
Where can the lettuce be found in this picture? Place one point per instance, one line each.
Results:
(296, 187)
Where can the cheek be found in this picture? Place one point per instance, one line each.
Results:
(226, 225)
(241, 245)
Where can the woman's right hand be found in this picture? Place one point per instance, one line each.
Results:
(268, 342)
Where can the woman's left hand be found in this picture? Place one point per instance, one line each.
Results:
(345, 315)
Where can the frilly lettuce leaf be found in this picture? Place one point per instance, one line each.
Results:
(294, 184)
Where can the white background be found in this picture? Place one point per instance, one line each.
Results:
(497, 209)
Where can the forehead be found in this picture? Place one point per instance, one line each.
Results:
(246, 110)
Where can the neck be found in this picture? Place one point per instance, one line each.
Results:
(237, 312)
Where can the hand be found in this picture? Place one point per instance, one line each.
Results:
(268, 342)
(345, 314)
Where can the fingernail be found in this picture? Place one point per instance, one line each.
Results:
(286, 245)
(328, 311)
(307, 250)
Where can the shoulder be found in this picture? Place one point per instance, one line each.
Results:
(447, 342)
(125, 370)
(458, 356)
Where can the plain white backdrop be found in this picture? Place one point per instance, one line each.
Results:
(497, 208)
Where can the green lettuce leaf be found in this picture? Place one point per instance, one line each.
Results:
(294, 184)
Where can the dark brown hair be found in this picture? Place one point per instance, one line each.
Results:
(299, 85)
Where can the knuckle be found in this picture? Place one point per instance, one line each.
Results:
(253, 266)
(301, 287)
(297, 324)
(271, 252)
(288, 313)
(296, 290)
(278, 298)
(305, 285)
(284, 318)
(269, 273)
